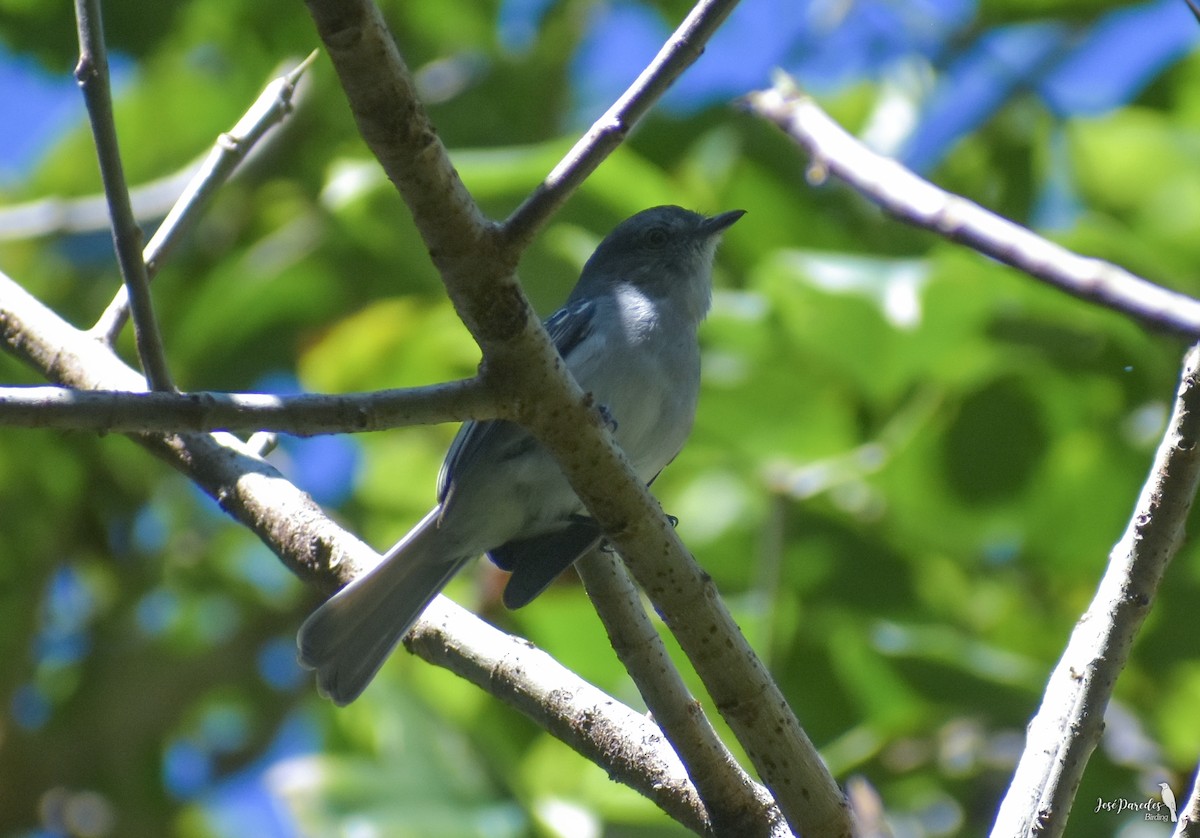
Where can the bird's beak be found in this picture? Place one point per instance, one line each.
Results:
(720, 223)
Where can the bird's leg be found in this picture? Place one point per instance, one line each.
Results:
(606, 545)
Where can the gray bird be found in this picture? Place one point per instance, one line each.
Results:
(628, 335)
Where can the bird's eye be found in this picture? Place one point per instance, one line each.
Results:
(656, 237)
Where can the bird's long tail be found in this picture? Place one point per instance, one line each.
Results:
(348, 638)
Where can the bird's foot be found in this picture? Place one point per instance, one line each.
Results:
(609, 420)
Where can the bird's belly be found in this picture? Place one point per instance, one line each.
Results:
(653, 407)
(517, 490)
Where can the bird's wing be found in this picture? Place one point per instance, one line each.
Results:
(570, 325)
(569, 328)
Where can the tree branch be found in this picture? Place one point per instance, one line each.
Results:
(271, 107)
(737, 806)
(680, 51)
(477, 266)
(575, 712)
(163, 196)
(918, 202)
(92, 74)
(1067, 727)
(1188, 825)
(248, 489)
(301, 415)
(617, 738)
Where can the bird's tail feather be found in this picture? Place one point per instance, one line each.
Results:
(348, 638)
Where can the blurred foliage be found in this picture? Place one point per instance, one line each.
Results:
(907, 471)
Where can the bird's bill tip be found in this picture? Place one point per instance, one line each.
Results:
(722, 222)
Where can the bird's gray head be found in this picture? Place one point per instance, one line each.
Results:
(664, 251)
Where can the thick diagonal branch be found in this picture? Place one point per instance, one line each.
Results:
(1067, 727)
(477, 264)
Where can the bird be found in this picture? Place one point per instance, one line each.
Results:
(628, 334)
(1168, 799)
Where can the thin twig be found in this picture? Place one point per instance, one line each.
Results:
(306, 414)
(620, 740)
(92, 74)
(737, 805)
(1191, 4)
(680, 51)
(477, 266)
(231, 148)
(1067, 727)
(262, 443)
(918, 202)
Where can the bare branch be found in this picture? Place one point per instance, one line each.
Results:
(231, 148)
(254, 493)
(626, 743)
(736, 804)
(477, 264)
(301, 415)
(683, 48)
(383, 99)
(920, 203)
(736, 679)
(262, 443)
(1191, 4)
(1067, 727)
(1188, 825)
(620, 740)
(180, 194)
(92, 75)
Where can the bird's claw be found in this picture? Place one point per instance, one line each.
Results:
(609, 420)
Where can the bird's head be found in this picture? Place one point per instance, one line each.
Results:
(664, 251)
